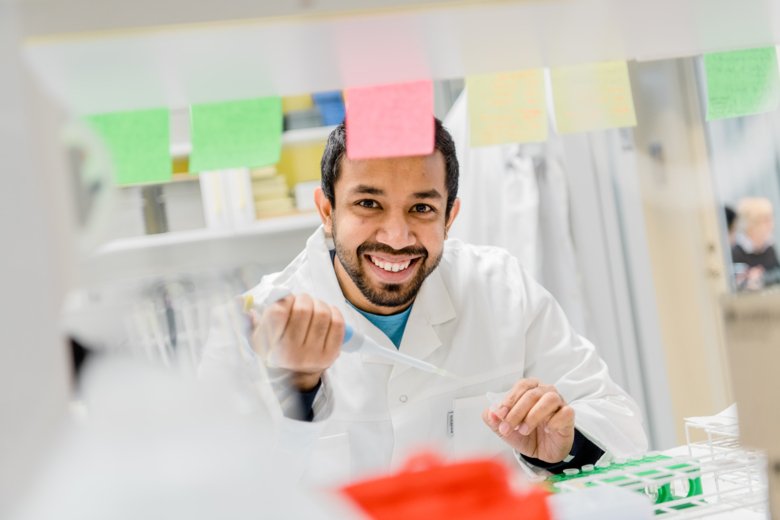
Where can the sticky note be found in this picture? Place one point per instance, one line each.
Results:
(592, 97)
(139, 144)
(390, 120)
(507, 108)
(235, 134)
(741, 83)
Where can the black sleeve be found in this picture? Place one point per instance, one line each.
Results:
(307, 400)
(583, 450)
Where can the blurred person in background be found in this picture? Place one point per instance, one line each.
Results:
(753, 253)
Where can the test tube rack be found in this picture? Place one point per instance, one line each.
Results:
(672, 481)
(715, 476)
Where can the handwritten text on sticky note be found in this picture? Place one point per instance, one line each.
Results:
(741, 83)
(235, 134)
(507, 108)
(139, 144)
(592, 97)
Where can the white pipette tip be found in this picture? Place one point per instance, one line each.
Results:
(354, 341)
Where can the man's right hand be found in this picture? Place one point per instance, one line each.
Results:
(299, 334)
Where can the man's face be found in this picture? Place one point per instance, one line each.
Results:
(388, 225)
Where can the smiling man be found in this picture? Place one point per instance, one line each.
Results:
(394, 214)
(381, 261)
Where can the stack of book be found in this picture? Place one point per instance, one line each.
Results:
(271, 193)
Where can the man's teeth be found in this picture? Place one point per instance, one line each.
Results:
(388, 266)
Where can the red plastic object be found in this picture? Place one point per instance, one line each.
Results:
(428, 489)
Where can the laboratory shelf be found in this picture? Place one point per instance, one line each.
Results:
(259, 227)
(269, 243)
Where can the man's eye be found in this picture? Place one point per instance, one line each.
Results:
(422, 208)
(367, 203)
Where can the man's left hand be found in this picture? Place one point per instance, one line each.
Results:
(534, 419)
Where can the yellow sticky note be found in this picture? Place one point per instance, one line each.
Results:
(508, 107)
(592, 97)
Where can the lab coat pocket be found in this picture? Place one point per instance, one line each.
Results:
(330, 460)
(470, 436)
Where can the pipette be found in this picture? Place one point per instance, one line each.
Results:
(355, 341)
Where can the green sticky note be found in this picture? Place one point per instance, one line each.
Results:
(741, 83)
(507, 108)
(592, 96)
(139, 144)
(235, 134)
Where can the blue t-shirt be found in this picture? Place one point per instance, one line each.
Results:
(392, 325)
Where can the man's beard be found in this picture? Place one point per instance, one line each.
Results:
(389, 294)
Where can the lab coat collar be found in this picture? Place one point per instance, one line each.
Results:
(435, 300)
(431, 307)
(325, 286)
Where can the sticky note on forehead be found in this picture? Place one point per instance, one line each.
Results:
(741, 83)
(390, 120)
(139, 144)
(235, 134)
(508, 107)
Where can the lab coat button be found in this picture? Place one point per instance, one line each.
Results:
(402, 398)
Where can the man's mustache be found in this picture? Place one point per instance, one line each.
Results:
(376, 247)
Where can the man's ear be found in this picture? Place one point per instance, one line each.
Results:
(324, 208)
(453, 213)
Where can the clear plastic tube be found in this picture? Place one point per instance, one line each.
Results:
(355, 341)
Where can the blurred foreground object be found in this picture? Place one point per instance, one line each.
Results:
(482, 489)
(150, 441)
(164, 319)
(427, 488)
(156, 445)
(600, 503)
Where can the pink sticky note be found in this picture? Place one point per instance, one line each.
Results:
(390, 120)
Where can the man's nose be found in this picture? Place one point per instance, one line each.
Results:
(395, 232)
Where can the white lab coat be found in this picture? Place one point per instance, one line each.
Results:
(478, 315)
(498, 191)
(516, 196)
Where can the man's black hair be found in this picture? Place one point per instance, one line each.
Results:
(336, 148)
